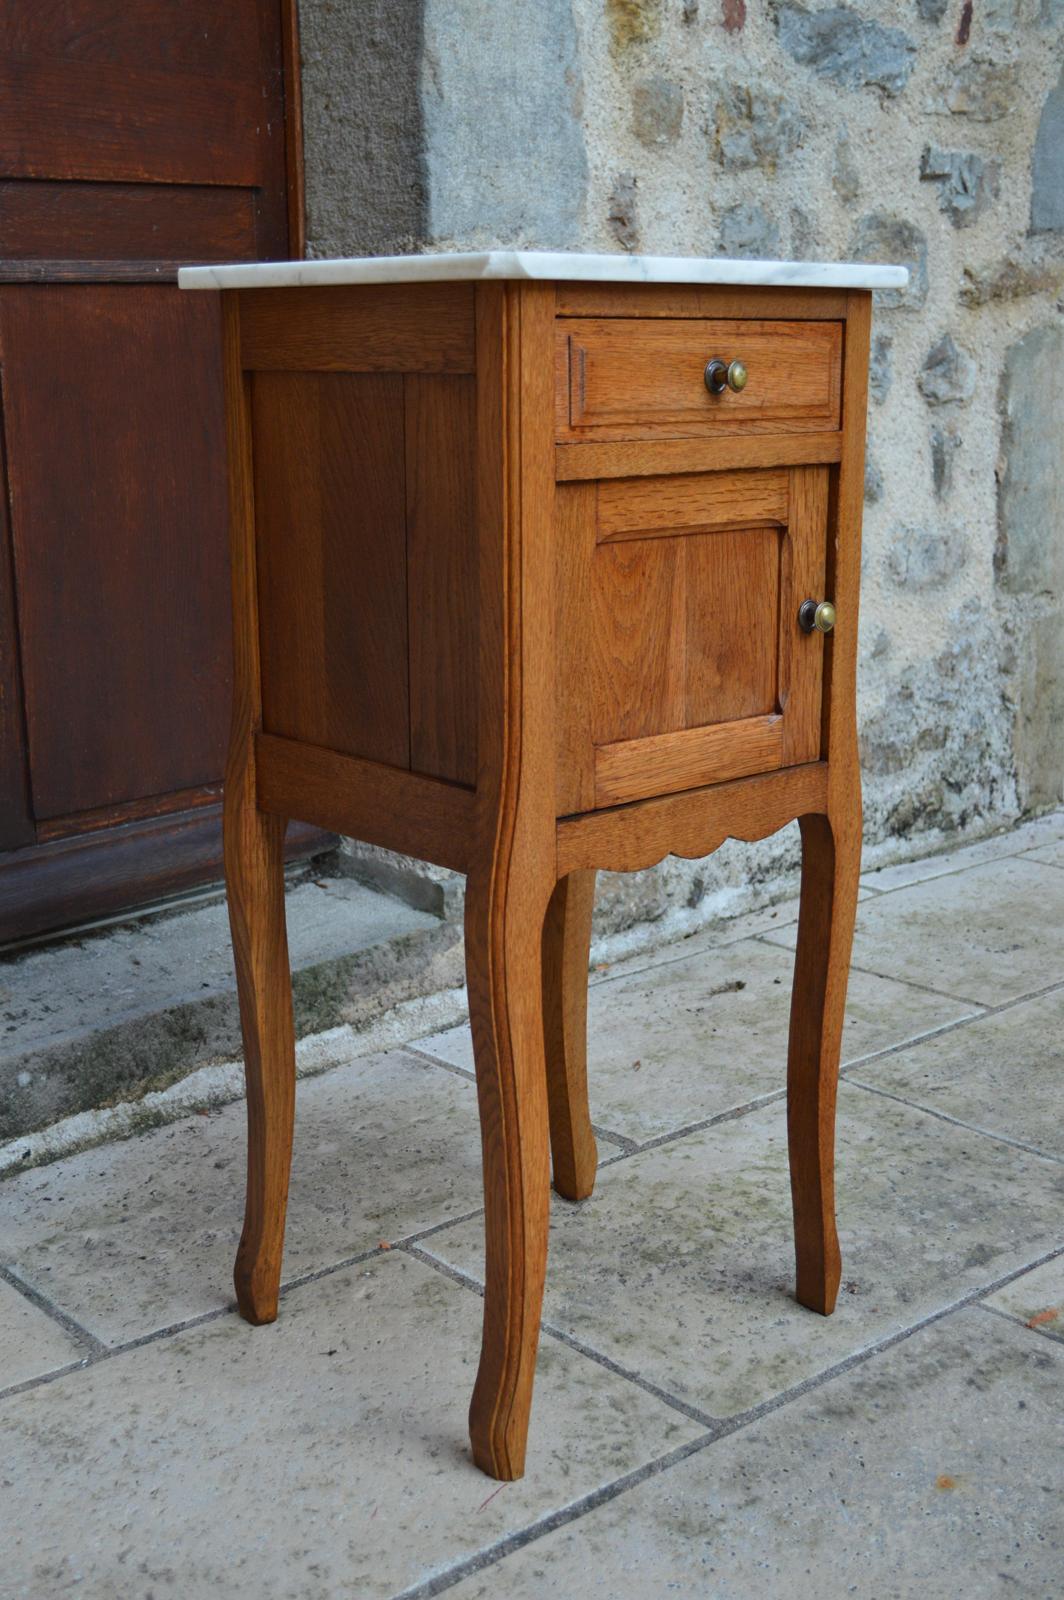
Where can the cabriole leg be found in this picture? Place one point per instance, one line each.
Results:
(566, 943)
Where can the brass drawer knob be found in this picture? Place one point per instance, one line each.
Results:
(722, 375)
(816, 614)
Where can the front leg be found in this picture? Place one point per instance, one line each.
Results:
(504, 922)
(566, 945)
(831, 864)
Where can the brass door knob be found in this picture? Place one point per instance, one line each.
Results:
(722, 375)
(816, 614)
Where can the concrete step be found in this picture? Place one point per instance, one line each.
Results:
(121, 1013)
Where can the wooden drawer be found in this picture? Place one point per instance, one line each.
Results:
(634, 378)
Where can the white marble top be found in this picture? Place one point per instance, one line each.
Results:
(544, 264)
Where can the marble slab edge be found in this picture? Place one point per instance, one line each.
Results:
(544, 264)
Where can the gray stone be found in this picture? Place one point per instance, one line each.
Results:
(335, 1440)
(948, 374)
(982, 87)
(657, 111)
(966, 183)
(931, 10)
(1047, 165)
(1030, 548)
(880, 237)
(989, 935)
(622, 218)
(879, 368)
(926, 558)
(675, 1042)
(1006, 16)
(1027, 839)
(805, 236)
(945, 442)
(839, 44)
(363, 134)
(751, 127)
(501, 93)
(31, 1342)
(845, 177)
(746, 230)
(1000, 1073)
(690, 10)
(933, 1470)
(681, 1267)
(1039, 750)
(873, 480)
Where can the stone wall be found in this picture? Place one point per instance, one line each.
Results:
(923, 131)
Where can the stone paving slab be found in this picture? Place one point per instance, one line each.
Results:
(31, 1343)
(324, 1455)
(133, 1237)
(680, 1268)
(682, 1040)
(1051, 854)
(1003, 1073)
(988, 935)
(1036, 1298)
(936, 1470)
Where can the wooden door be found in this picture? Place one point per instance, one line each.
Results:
(681, 661)
(133, 136)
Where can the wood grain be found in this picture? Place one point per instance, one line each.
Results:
(442, 574)
(365, 800)
(566, 947)
(330, 492)
(632, 837)
(688, 759)
(254, 874)
(627, 458)
(511, 876)
(831, 864)
(359, 328)
(630, 378)
(696, 301)
(687, 502)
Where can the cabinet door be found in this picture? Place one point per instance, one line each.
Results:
(680, 659)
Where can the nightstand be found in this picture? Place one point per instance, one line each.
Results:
(542, 564)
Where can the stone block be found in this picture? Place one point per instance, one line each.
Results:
(840, 44)
(657, 111)
(931, 10)
(881, 237)
(982, 87)
(873, 480)
(751, 127)
(1038, 744)
(1047, 165)
(845, 178)
(926, 558)
(967, 183)
(948, 374)
(945, 442)
(746, 230)
(1030, 548)
(622, 218)
(880, 374)
(631, 21)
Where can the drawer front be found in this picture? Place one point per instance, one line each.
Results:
(681, 659)
(628, 378)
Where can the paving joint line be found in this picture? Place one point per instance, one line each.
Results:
(69, 1324)
(1055, 1337)
(957, 872)
(493, 1554)
(957, 1122)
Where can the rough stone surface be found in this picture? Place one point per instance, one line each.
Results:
(622, 216)
(948, 374)
(657, 111)
(880, 237)
(1047, 166)
(926, 558)
(634, 21)
(839, 44)
(1030, 269)
(873, 479)
(880, 374)
(931, 10)
(945, 442)
(845, 174)
(750, 128)
(746, 230)
(966, 183)
(981, 87)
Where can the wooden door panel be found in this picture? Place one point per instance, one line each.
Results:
(681, 662)
(137, 222)
(112, 400)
